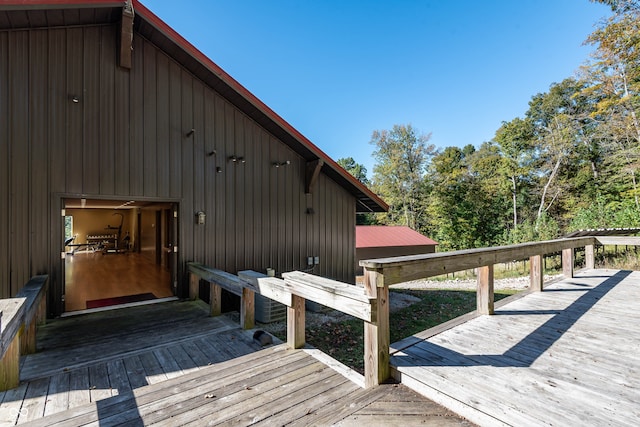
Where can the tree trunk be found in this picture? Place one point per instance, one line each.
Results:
(630, 108)
(635, 189)
(547, 185)
(514, 195)
(594, 168)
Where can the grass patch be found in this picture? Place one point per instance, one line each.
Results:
(344, 341)
(621, 259)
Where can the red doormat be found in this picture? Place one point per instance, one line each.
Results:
(119, 300)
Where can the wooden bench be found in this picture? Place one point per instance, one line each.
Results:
(18, 326)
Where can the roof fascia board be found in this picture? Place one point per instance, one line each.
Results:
(57, 4)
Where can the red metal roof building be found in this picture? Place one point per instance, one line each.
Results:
(384, 241)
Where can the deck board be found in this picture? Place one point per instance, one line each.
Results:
(212, 372)
(566, 356)
(35, 398)
(275, 386)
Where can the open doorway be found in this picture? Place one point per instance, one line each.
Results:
(117, 252)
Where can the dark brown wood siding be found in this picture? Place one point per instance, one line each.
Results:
(129, 137)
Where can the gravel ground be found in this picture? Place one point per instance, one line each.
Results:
(517, 283)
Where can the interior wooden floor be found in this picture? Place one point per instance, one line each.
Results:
(93, 276)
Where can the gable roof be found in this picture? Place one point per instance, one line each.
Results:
(17, 14)
(379, 236)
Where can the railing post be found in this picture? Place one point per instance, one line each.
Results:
(296, 322)
(567, 262)
(13, 312)
(376, 335)
(536, 273)
(194, 286)
(10, 365)
(484, 297)
(247, 309)
(589, 256)
(215, 299)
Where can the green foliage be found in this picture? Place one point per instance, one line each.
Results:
(543, 228)
(603, 214)
(591, 217)
(402, 154)
(572, 162)
(621, 6)
(356, 169)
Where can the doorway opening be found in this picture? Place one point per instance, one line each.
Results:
(118, 253)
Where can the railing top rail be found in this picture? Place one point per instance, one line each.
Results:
(20, 310)
(619, 240)
(508, 253)
(398, 269)
(228, 281)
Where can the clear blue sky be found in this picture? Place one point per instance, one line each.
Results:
(337, 70)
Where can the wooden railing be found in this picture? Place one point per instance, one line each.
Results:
(380, 273)
(293, 291)
(371, 302)
(19, 319)
(219, 280)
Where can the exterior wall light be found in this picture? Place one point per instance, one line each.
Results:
(201, 218)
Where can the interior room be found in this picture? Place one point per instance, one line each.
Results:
(116, 252)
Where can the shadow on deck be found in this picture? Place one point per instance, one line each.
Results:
(566, 356)
(173, 364)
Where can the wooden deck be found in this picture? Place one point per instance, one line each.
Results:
(171, 364)
(567, 356)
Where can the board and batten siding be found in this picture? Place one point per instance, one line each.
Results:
(129, 137)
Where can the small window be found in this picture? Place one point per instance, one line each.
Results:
(68, 227)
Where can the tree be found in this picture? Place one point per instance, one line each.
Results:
(453, 201)
(401, 155)
(491, 193)
(515, 141)
(550, 114)
(360, 173)
(613, 76)
(621, 6)
(356, 169)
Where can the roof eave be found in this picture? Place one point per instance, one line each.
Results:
(367, 200)
(227, 86)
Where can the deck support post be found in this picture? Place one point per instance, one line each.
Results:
(589, 256)
(194, 286)
(536, 273)
(567, 263)
(296, 322)
(247, 309)
(484, 297)
(10, 365)
(376, 334)
(215, 299)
